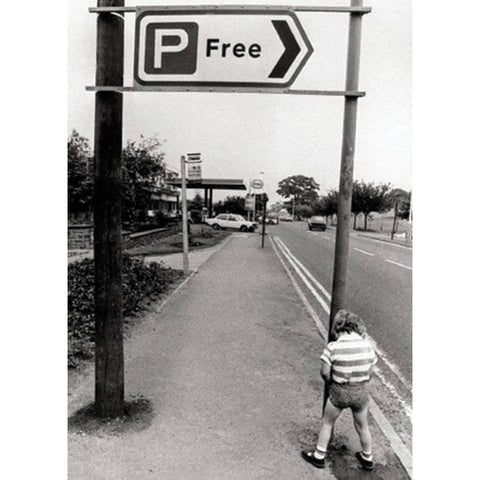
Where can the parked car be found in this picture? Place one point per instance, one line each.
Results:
(285, 217)
(272, 219)
(231, 221)
(317, 222)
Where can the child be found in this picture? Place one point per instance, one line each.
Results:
(347, 363)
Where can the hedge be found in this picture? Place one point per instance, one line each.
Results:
(141, 282)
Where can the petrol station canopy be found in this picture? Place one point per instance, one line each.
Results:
(212, 184)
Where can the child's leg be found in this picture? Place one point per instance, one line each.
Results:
(330, 416)
(360, 420)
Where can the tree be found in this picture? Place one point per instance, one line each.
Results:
(399, 200)
(196, 203)
(301, 189)
(304, 211)
(143, 166)
(233, 204)
(327, 205)
(276, 207)
(367, 198)
(80, 174)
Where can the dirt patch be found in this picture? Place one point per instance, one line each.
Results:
(137, 417)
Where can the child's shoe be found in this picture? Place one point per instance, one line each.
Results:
(310, 458)
(366, 464)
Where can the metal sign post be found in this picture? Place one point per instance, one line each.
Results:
(109, 361)
(264, 217)
(184, 215)
(346, 172)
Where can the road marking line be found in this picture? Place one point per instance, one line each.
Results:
(383, 241)
(391, 365)
(398, 446)
(398, 264)
(321, 328)
(306, 282)
(403, 403)
(363, 251)
(309, 275)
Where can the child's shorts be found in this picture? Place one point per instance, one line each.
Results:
(349, 395)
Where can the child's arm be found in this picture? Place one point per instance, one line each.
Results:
(325, 371)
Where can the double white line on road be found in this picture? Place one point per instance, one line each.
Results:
(311, 282)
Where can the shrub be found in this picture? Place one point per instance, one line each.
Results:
(140, 282)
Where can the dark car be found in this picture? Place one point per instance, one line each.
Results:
(317, 222)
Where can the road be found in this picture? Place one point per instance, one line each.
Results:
(379, 289)
(379, 283)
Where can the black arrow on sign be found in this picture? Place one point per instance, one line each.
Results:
(292, 49)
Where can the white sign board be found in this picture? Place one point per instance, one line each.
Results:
(194, 171)
(250, 202)
(218, 47)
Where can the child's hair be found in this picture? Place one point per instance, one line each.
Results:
(347, 322)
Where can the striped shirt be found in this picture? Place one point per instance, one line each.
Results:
(351, 358)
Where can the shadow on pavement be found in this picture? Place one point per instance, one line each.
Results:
(138, 416)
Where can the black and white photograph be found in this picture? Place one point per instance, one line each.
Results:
(236, 297)
(240, 229)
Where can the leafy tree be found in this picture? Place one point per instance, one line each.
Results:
(367, 198)
(399, 200)
(234, 204)
(80, 174)
(143, 166)
(301, 189)
(276, 207)
(327, 205)
(196, 203)
(304, 211)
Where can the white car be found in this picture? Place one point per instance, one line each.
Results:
(231, 221)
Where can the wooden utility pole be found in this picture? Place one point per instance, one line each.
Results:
(109, 361)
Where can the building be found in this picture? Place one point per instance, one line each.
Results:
(165, 197)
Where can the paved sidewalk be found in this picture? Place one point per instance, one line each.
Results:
(228, 371)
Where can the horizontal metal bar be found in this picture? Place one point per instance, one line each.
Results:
(330, 93)
(131, 9)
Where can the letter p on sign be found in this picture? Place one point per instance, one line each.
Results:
(169, 48)
(165, 40)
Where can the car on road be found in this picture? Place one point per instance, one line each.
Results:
(231, 221)
(317, 222)
(285, 217)
(272, 219)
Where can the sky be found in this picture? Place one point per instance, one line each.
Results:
(240, 135)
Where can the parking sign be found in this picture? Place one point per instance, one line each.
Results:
(218, 47)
